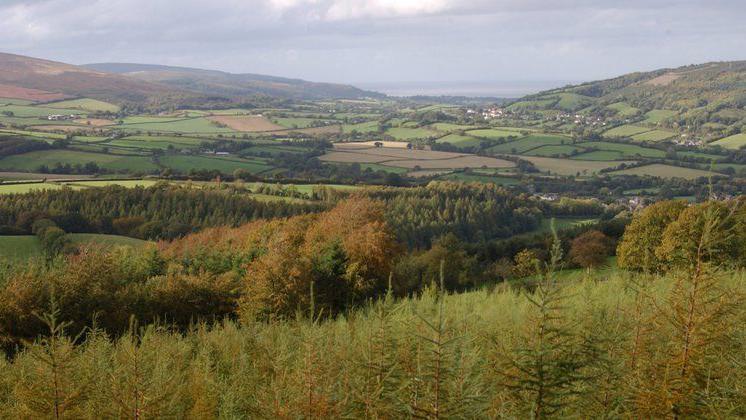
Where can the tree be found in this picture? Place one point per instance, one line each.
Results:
(525, 263)
(642, 237)
(590, 249)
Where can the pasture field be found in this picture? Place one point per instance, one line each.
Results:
(32, 176)
(623, 150)
(45, 136)
(25, 188)
(733, 142)
(297, 122)
(188, 125)
(24, 111)
(450, 127)
(627, 130)
(366, 127)
(600, 155)
(665, 171)
(530, 142)
(654, 135)
(623, 109)
(411, 159)
(185, 163)
(657, 115)
(476, 177)
(250, 123)
(570, 167)
(405, 133)
(495, 133)
(127, 183)
(14, 101)
(573, 101)
(459, 140)
(529, 105)
(28, 246)
(32, 160)
(554, 150)
(376, 167)
(85, 104)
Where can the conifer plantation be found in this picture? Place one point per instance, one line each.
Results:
(318, 316)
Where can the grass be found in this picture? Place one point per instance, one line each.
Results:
(665, 171)
(376, 167)
(190, 125)
(28, 187)
(185, 163)
(405, 133)
(24, 111)
(495, 133)
(366, 127)
(567, 166)
(32, 160)
(554, 150)
(654, 135)
(656, 116)
(623, 150)
(623, 109)
(475, 177)
(449, 127)
(28, 246)
(459, 140)
(733, 142)
(572, 101)
(128, 183)
(627, 130)
(85, 104)
(296, 122)
(530, 142)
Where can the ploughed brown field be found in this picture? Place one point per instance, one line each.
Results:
(410, 159)
(249, 123)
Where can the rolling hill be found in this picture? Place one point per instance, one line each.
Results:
(706, 99)
(214, 82)
(43, 80)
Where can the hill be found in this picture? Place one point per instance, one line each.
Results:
(43, 80)
(232, 85)
(706, 99)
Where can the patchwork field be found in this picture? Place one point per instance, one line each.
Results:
(459, 140)
(85, 104)
(665, 171)
(411, 159)
(555, 166)
(494, 133)
(623, 109)
(33, 160)
(250, 123)
(530, 142)
(657, 115)
(554, 150)
(627, 130)
(653, 135)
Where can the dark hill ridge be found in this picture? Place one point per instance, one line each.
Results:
(215, 82)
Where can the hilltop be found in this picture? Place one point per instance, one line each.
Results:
(215, 82)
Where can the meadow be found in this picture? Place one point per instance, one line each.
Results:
(530, 142)
(665, 171)
(33, 160)
(568, 167)
(410, 159)
(733, 142)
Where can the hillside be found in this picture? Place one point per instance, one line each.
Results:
(43, 80)
(233, 85)
(707, 100)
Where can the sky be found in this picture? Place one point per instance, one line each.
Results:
(383, 41)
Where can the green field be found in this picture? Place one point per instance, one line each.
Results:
(475, 177)
(567, 166)
(554, 150)
(449, 127)
(25, 188)
(572, 101)
(459, 140)
(619, 150)
(657, 115)
(185, 163)
(404, 133)
(495, 133)
(27, 246)
(23, 111)
(654, 135)
(733, 142)
(32, 160)
(85, 104)
(376, 167)
(530, 142)
(297, 122)
(128, 183)
(188, 125)
(623, 109)
(366, 127)
(665, 171)
(627, 130)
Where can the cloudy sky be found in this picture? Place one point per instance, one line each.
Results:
(383, 40)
